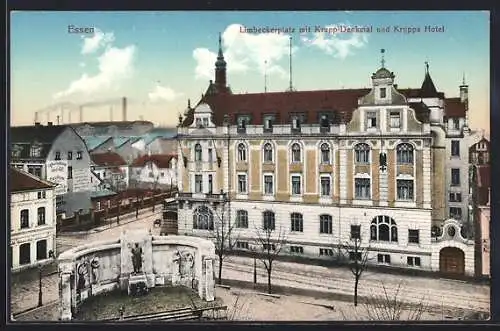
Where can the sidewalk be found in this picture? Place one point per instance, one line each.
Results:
(124, 219)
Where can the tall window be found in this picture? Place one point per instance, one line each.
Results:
(362, 188)
(325, 153)
(78, 155)
(36, 151)
(296, 154)
(455, 148)
(371, 119)
(325, 224)
(268, 220)
(395, 119)
(362, 153)
(57, 156)
(70, 172)
(203, 218)
(25, 254)
(70, 155)
(210, 184)
(210, 155)
(325, 186)
(404, 154)
(383, 93)
(25, 219)
(413, 236)
(41, 250)
(297, 224)
(242, 219)
(242, 153)
(268, 152)
(198, 183)
(456, 124)
(455, 177)
(296, 185)
(268, 185)
(242, 183)
(355, 231)
(456, 213)
(197, 153)
(384, 228)
(405, 189)
(41, 216)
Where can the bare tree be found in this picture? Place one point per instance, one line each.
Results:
(222, 232)
(239, 310)
(358, 259)
(271, 242)
(390, 307)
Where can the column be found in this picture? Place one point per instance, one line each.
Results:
(65, 291)
(209, 280)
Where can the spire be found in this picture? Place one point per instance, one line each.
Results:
(428, 89)
(220, 66)
(382, 60)
(189, 103)
(290, 86)
(220, 55)
(463, 80)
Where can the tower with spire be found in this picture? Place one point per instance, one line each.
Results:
(220, 67)
(383, 81)
(430, 97)
(464, 98)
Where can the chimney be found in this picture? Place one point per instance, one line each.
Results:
(49, 123)
(81, 114)
(37, 124)
(124, 109)
(36, 117)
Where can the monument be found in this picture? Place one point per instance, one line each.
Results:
(134, 264)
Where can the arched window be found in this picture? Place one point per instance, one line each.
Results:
(325, 153)
(268, 220)
(197, 152)
(404, 154)
(268, 152)
(203, 218)
(296, 154)
(242, 153)
(384, 228)
(362, 152)
(242, 219)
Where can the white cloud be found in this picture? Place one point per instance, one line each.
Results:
(98, 40)
(337, 44)
(244, 52)
(161, 93)
(82, 64)
(115, 65)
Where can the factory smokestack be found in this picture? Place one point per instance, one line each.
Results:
(124, 109)
(81, 114)
(36, 117)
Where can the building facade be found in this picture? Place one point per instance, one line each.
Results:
(324, 167)
(154, 171)
(58, 154)
(32, 220)
(111, 169)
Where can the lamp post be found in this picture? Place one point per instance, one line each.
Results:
(40, 269)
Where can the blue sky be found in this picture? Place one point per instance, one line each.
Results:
(160, 59)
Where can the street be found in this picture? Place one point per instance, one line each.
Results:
(434, 292)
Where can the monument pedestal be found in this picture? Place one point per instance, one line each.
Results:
(137, 284)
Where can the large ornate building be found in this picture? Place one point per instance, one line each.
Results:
(326, 166)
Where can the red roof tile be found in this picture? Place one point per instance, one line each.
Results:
(108, 159)
(23, 181)
(161, 160)
(342, 102)
(453, 107)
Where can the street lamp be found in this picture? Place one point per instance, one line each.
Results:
(40, 269)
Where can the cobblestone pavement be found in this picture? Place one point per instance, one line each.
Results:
(433, 292)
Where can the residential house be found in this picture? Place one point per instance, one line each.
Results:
(111, 169)
(155, 171)
(58, 154)
(32, 220)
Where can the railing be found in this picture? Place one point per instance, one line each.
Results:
(181, 314)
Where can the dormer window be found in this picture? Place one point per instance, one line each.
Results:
(456, 124)
(36, 151)
(268, 122)
(205, 122)
(16, 151)
(383, 93)
(371, 119)
(242, 121)
(199, 123)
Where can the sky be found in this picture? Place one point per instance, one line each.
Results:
(159, 60)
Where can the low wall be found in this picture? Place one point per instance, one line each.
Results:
(104, 266)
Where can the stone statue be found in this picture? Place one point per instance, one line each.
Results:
(137, 258)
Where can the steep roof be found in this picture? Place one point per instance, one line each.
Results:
(341, 103)
(93, 142)
(23, 181)
(454, 107)
(119, 141)
(22, 138)
(108, 159)
(428, 89)
(162, 161)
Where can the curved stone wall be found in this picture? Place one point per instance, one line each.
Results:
(104, 266)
